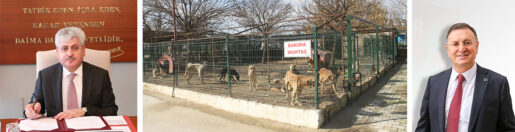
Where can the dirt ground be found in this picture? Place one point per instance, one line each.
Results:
(240, 89)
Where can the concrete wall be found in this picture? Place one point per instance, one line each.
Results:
(430, 20)
(312, 118)
(17, 83)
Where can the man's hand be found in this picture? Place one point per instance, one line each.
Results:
(32, 111)
(70, 114)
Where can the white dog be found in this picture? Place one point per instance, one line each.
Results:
(198, 67)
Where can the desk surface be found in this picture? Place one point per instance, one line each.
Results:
(134, 120)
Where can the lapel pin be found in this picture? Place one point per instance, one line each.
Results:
(485, 79)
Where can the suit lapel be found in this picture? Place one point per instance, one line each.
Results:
(85, 85)
(479, 92)
(58, 91)
(442, 95)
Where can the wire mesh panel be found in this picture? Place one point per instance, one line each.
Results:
(253, 66)
(369, 51)
(156, 63)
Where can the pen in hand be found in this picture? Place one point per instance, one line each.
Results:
(34, 108)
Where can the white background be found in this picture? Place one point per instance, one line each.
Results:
(494, 22)
(307, 48)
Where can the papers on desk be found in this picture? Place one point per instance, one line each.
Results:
(114, 129)
(115, 120)
(88, 122)
(44, 124)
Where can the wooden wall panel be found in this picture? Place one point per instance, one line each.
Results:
(27, 26)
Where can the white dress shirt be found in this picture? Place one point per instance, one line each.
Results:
(78, 86)
(467, 96)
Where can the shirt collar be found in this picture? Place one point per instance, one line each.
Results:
(78, 71)
(467, 74)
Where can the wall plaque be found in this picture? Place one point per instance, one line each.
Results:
(27, 26)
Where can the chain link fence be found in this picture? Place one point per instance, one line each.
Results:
(224, 60)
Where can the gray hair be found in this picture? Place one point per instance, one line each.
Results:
(66, 34)
(461, 26)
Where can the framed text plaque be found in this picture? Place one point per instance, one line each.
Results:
(27, 26)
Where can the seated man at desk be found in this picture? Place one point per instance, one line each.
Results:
(72, 87)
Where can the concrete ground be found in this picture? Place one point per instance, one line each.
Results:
(381, 108)
(172, 115)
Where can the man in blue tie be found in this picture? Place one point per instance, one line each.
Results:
(72, 87)
(466, 97)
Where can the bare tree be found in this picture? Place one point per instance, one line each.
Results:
(191, 15)
(400, 5)
(398, 15)
(263, 15)
(376, 12)
(325, 10)
(154, 24)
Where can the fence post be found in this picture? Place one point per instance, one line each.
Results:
(227, 64)
(372, 44)
(392, 45)
(378, 70)
(349, 56)
(383, 54)
(395, 37)
(316, 64)
(175, 68)
(354, 51)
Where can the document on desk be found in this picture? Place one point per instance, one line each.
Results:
(43, 124)
(113, 129)
(115, 120)
(88, 122)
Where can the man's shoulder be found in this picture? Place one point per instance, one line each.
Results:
(92, 68)
(444, 73)
(493, 75)
(51, 69)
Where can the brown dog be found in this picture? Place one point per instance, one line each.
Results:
(252, 77)
(325, 75)
(296, 83)
(311, 63)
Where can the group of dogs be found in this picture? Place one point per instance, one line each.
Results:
(294, 82)
(191, 68)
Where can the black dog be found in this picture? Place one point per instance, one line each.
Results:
(234, 74)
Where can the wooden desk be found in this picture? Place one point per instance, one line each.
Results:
(134, 120)
(6, 121)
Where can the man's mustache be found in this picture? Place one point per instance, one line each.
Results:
(70, 58)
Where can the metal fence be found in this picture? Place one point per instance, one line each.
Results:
(352, 55)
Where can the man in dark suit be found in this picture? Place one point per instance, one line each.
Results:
(72, 88)
(466, 97)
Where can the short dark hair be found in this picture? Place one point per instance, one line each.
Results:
(461, 26)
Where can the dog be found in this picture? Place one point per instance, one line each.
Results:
(160, 65)
(292, 68)
(234, 75)
(252, 77)
(296, 83)
(325, 75)
(311, 62)
(196, 66)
